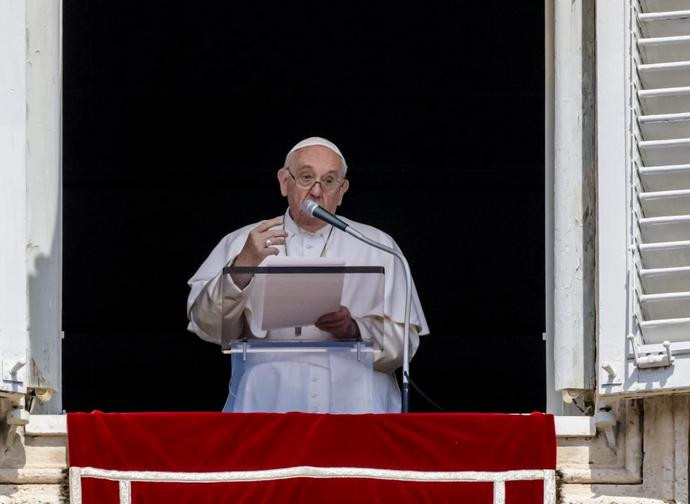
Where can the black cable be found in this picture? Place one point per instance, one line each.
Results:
(421, 393)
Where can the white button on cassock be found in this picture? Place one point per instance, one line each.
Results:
(319, 394)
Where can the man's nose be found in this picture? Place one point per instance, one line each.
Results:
(316, 189)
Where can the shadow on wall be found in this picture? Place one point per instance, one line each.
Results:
(44, 372)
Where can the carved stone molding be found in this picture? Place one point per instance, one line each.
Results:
(649, 464)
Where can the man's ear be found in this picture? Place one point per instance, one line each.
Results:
(343, 190)
(282, 180)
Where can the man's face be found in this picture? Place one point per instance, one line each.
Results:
(312, 163)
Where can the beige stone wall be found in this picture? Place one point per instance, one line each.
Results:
(648, 462)
(33, 469)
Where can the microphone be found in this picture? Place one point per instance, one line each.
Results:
(314, 210)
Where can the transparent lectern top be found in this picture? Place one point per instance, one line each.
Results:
(278, 308)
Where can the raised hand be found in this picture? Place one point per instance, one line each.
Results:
(258, 246)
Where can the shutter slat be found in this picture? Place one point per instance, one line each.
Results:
(665, 126)
(664, 75)
(665, 100)
(665, 49)
(665, 229)
(664, 5)
(665, 306)
(665, 254)
(665, 203)
(664, 24)
(665, 152)
(665, 178)
(658, 331)
(663, 280)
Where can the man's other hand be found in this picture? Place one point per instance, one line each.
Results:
(340, 324)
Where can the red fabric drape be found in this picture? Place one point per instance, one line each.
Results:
(211, 442)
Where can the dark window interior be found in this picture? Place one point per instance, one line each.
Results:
(177, 116)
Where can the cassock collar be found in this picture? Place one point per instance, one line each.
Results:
(292, 228)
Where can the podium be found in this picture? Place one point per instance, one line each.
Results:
(280, 361)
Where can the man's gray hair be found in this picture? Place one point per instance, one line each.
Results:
(308, 142)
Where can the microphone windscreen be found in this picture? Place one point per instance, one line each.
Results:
(308, 206)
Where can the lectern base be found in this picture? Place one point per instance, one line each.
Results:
(325, 377)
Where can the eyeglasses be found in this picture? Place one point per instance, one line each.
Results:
(305, 180)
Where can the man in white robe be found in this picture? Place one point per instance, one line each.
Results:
(314, 169)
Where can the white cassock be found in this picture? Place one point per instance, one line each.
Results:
(310, 382)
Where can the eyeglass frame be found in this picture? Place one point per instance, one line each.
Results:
(316, 180)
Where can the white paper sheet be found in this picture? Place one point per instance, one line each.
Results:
(298, 299)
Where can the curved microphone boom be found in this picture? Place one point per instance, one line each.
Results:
(313, 209)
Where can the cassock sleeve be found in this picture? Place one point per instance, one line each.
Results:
(205, 312)
(391, 356)
(209, 297)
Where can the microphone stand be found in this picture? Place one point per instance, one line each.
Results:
(408, 304)
(314, 210)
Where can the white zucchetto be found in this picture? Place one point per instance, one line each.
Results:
(307, 142)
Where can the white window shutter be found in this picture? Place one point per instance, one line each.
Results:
(656, 353)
